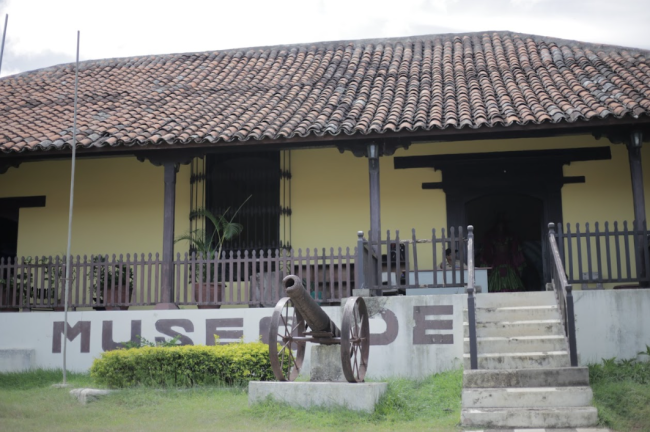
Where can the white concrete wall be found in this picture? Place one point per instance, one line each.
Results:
(412, 336)
(611, 323)
(403, 345)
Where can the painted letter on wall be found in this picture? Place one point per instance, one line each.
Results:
(81, 328)
(422, 324)
(212, 327)
(164, 326)
(108, 344)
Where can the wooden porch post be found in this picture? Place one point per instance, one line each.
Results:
(375, 205)
(167, 277)
(634, 145)
(170, 161)
(375, 213)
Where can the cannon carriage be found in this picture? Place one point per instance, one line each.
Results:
(298, 319)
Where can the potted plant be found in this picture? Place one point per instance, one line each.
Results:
(33, 286)
(208, 247)
(7, 295)
(118, 281)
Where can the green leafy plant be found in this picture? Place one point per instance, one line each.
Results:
(183, 366)
(142, 342)
(646, 352)
(38, 279)
(621, 393)
(208, 244)
(109, 276)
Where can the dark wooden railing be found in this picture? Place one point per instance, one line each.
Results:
(563, 294)
(250, 278)
(471, 307)
(604, 254)
(399, 260)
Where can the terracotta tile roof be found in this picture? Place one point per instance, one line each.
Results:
(426, 83)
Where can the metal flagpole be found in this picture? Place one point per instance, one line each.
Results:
(68, 258)
(2, 48)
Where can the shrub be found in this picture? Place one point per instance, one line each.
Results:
(613, 370)
(183, 366)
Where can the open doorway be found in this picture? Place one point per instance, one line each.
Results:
(9, 213)
(508, 238)
(8, 235)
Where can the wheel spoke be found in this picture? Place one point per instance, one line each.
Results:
(355, 327)
(296, 324)
(285, 345)
(286, 317)
(293, 359)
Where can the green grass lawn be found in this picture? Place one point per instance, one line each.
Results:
(29, 403)
(622, 394)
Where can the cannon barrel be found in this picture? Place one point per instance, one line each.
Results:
(315, 316)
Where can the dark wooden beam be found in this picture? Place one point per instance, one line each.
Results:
(441, 185)
(564, 156)
(573, 179)
(433, 185)
(5, 164)
(23, 202)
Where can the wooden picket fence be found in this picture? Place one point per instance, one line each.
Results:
(252, 278)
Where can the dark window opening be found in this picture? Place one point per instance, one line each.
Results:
(233, 177)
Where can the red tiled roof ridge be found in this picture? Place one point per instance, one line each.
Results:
(84, 64)
(427, 82)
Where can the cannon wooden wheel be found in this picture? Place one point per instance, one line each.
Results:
(355, 340)
(286, 324)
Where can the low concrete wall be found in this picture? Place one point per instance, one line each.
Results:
(16, 360)
(410, 336)
(611, 323)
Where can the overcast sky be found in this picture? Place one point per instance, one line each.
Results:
(42, 33)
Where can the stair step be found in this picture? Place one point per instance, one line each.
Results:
(518, 313)
(542, 377)
(558, 417)
(522, 397)
(519, 344)
(529, 360)
(517, 328)
(495, 300)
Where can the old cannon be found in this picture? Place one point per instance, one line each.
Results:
(298, 319)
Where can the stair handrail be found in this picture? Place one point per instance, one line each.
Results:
(471, 311)
(563, 294)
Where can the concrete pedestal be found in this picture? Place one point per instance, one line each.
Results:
(355, 397)
(326, 363)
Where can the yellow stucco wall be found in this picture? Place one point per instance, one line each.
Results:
(330, 190)
(118, 206)
(119, 201)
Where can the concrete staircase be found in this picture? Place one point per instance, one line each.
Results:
(524, 378)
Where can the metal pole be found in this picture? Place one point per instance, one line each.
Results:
(68, 258)
(471, 304)
(2, 48)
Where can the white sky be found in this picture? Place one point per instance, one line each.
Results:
(42, 33)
